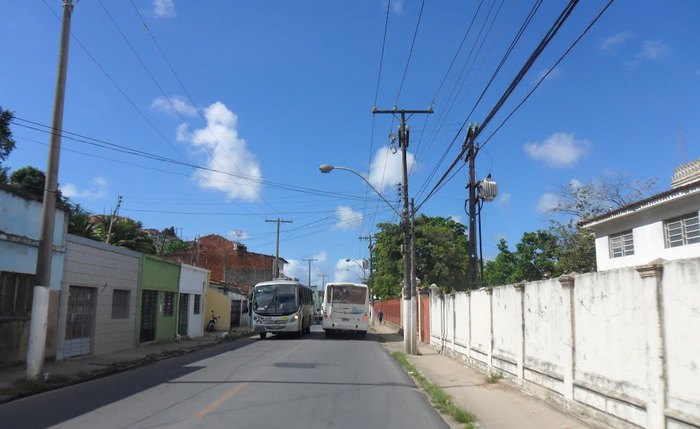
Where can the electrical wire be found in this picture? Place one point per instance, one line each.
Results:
(410, 53)
(563, 16)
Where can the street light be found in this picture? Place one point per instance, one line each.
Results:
(362, 267)
(327, 168)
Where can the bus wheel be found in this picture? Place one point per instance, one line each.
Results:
(263, 335)
(327, 332)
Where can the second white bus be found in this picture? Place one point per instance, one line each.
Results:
(346, 308)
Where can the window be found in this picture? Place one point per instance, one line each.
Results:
(168, 298)
(15, 294)
(120, 304)
(682, 230)
(197, 304)
(621, 244)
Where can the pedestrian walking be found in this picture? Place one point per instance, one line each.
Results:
(380, 316)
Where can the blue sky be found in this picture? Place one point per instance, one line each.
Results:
(268, 91)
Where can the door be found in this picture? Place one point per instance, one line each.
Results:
(148, 315)
(235, 313)
(182, 314)
(80, 326)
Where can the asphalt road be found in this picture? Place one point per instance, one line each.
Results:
(312, 382)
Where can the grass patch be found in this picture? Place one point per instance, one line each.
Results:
(494, 377)
(441, 399)
(25, 387)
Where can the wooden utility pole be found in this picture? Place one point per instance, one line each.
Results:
(310, 261)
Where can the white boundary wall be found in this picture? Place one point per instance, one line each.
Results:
(620, 348)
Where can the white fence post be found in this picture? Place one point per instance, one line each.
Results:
(569, 336)
(520, 288)
(489, 292)
(652, 289)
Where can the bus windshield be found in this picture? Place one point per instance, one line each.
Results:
(274, 300)
(347, 294)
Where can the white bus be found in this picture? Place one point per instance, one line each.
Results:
(346, 308)
(281, 306)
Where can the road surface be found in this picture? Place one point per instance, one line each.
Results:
(312, 382)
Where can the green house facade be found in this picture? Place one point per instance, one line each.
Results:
(158, 300)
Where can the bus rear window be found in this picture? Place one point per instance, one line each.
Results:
(347, 295)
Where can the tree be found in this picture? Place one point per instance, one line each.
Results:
(581, 201)
(535, 258)
(7, 144)
(30, 181)
(125, 233)
(79, 222)
(441, 255)
(168, 242)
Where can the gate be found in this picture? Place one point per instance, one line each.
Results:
(182, 314)
(235, 313)
(80, 326)
(148, 315)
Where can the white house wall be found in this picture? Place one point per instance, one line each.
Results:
(648, 234)
(620, 347)
(104, 267)
(20, 220)
(193, 280)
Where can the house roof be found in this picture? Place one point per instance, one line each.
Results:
(647, 203)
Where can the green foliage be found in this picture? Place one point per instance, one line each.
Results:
(441, 255)
(125, 233)
(7, 143)
(536, 257)
(173, 245)
(441, 399)
(28, 181)
(79, 222)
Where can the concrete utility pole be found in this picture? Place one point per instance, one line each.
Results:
(323, 281)
(414, 312)
(111, 218)
(471, 155)
(404, 136)
(370, 278)
(310, 261)
(276, 269)
(40, 300)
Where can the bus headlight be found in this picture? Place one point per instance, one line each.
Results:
(296, 317)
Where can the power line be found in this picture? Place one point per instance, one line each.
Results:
(410, 52)
(135, 152)
(559, 22)
(119, 88)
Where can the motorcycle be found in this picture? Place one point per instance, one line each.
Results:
(211, 326)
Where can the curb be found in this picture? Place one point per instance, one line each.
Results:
(119, 366)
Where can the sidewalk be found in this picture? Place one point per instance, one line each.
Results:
(495, 405)
(13, 384)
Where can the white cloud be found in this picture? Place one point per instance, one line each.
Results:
(347, 271)
(164, 8)
(547, 203)
(347, 218)
(503, 199)
(225, 151)
(397, 6)
(653, 50)
(386, 169)
(556, 72)
(456, 218)
(299, 269)
(575, 183)
(94, 191)
(238, 235)
(613, 42)
(558, 150)
(174, 106)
